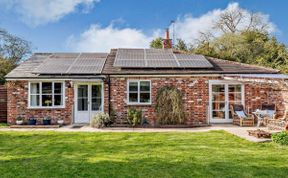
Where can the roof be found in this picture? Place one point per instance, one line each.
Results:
(61, 64)
(219, 67)
(93, 65)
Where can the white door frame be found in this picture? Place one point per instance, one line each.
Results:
(90, 113)
(226, 84)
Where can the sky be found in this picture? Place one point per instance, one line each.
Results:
(99, 25)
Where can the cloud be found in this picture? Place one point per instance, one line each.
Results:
(38, 12)
(97, 38)
(187, 27)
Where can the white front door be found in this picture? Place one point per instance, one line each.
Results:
(222, 94)
(88, 101)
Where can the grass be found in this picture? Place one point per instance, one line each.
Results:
(3, 125)
(203, 154)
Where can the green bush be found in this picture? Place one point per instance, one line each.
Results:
(100, 120)
(134, 117)
(280, 138)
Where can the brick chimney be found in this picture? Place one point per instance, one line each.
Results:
(167, 42)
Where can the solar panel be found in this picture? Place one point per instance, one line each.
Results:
(72, 63)
(193, 61)
(158, 58)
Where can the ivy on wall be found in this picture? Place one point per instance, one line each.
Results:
(169, 106)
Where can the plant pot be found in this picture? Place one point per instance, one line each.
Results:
(46, 122)
(60, 122)
(19, 122)
(31, 122)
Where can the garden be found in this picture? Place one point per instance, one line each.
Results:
(202, 154)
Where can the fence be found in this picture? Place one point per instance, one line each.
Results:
(3, 103)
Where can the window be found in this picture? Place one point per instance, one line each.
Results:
(46, 94)
(139, 92)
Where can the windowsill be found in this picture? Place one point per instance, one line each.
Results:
(60, 107)
(139, 104)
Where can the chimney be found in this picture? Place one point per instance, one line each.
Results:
(167, 42)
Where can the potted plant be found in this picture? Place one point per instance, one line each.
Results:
(32, 120)
(60, 121)
(19, 120)
(47, 120)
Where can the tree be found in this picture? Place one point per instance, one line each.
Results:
(12, 50)
(156, 43)
(181, 45)
(238, 20)
(243, 38)
(5, 67)
(12, 47)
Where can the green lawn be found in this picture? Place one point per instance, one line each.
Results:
(205, 154)
(3, 125)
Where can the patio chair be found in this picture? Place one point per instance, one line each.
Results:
(271, 110)
(240, 117)
(278, 123)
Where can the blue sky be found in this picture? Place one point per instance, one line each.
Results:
(97, 25)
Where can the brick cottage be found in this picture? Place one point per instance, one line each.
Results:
(75, 86)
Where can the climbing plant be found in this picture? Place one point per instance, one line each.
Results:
(169, 106)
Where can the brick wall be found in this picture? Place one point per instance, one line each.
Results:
(3, 103)
(17, 92)
(258, 94)
(195, 97)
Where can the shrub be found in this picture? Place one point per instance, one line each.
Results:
(280, 138)
(100, 120)
(169, 106)
(19, 118)
(134, 116)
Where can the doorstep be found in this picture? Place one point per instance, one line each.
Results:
(34, 126)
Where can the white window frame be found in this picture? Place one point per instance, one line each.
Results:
(138, 93)
(40, 95)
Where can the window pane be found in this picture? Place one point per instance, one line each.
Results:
(57, 88)
(234, 88)
(47, 88)
(218, 114)
(46, 100)
(83, 91)
(34, 88)
(145, 86)
(96, 104)
(218, 88)
(218, 106)
(82, 104)
(58, 100)
(96, 90)
(218, 97)
(145, 97)
(133, 86)
(34, 100)
(133, 97)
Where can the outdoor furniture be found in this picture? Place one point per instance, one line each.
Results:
(259, 133)
(240, 117)
(278, 123)
(260, 115)
(270, 109)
